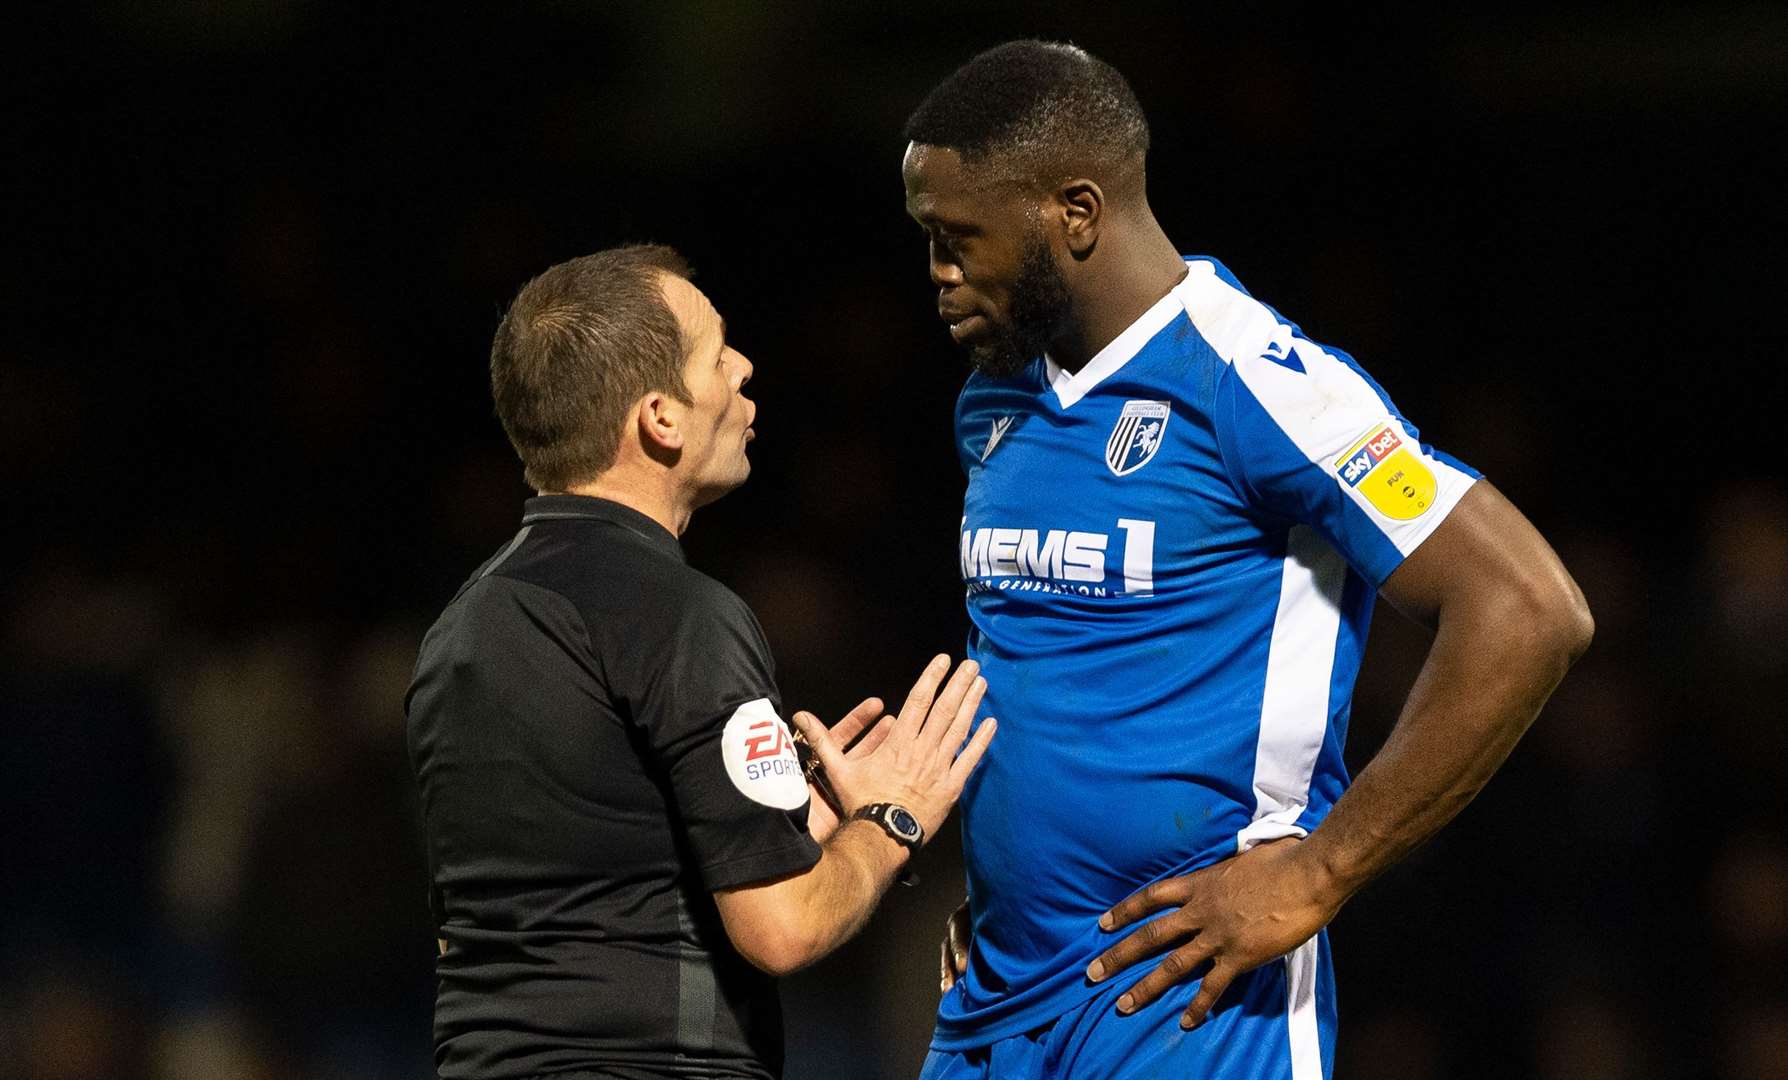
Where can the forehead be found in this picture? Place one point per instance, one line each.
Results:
(941, 189)
(694, 312)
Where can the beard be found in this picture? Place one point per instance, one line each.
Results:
(1040, 308)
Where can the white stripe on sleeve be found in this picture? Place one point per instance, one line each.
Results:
(1324, 409)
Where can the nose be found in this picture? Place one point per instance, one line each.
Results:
(744, 368)
(945, 274)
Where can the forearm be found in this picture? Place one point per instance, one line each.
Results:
(1508, 622)
(910, 768)
(1486, 678)
(859, 865)
(785, 926)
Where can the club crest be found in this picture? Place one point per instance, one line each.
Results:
(1136, 436)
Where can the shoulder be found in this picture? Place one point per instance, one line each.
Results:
(493, 631)
(622, 586)
(496, 585)
(684, 608)
(1226, 315)
(1208, 264)
(699, 596)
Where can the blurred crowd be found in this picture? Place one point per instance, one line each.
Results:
(244, 412)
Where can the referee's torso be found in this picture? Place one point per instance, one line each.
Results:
(565, 729)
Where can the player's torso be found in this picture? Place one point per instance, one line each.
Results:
(1122, 599)
(1120, 496)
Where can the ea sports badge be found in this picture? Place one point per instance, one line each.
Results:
(760, 757)
(1136, 436)
(1382, 467)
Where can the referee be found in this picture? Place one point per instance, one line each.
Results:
(624, 850)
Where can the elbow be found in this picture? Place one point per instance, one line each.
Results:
(1572, 625)
(774, 925)
(778, 952)
(1556, 619)
(1581, 630)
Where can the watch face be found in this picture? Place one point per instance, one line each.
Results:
(903, 822)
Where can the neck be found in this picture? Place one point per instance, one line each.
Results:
(1115, 294)
(650, 496)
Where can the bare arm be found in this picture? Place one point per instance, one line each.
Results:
(1508, 622)
(784, 925)
(909, 760)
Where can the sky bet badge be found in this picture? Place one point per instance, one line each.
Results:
(1136, 437)
(1382, 468)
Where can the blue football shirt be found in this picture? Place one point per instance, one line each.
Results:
(1171, 557)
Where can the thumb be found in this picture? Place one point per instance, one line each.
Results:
(817, 736)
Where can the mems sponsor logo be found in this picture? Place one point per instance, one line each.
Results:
(1057, 560)
(1055, 553)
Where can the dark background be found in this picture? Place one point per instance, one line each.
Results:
(255, 255)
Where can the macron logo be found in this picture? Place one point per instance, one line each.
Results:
(999, 432)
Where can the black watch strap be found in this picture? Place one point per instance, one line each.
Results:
(897, 821)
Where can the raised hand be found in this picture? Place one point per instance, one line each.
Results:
(1231, 918)
(910, 759)
(824, 815)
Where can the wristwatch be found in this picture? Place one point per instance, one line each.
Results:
(897, 821)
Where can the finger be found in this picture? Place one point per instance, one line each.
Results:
(1183, 963)
(817, 737)
(918, 699)
(965, 715)
(950, 699)
(958, 946)
(857, 721)
(946, 974)
(971, 754)
(872, 738)
(1147, 940)
(1169, 892)
(1209, 993)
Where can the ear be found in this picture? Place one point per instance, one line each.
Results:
(660, 420)
(1082, 205)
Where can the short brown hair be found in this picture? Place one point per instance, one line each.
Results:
(579, 345)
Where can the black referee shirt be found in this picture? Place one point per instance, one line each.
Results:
(593, 725)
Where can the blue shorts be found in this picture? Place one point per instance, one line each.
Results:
(1277, 1022)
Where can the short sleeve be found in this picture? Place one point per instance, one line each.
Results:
(1306, 435)
(707, 705)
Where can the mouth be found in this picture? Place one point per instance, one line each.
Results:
(966, 327)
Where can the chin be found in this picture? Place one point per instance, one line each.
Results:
(998, 359)
(737, 478)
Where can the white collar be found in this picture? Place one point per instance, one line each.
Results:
(1071, 386)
